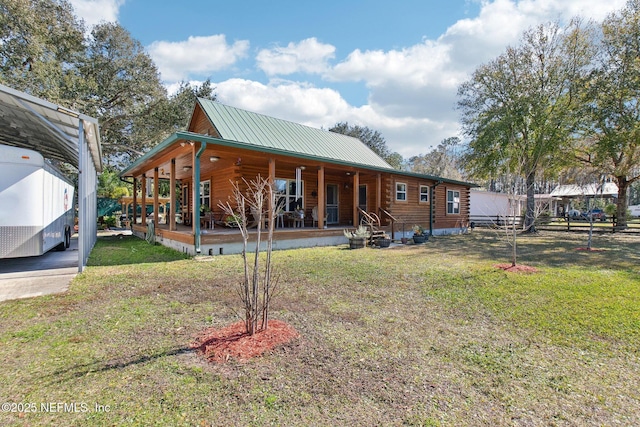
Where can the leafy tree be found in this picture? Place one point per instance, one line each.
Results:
(41, 41)
(110, 185)
(519, 109)
(373, 139)
(443, 161)
(613, 104)
(123, 91)
(180, 106)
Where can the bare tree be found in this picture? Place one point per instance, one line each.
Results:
(254, 206)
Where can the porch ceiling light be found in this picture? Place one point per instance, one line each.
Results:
(186, 168)
(214, 159)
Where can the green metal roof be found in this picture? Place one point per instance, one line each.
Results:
(234, 124)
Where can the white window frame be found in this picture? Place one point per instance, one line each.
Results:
(289, 197)
(453, 202)
(401, 192)
(426, 194)
(205, 193)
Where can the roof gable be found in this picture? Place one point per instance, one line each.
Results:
(234, 124)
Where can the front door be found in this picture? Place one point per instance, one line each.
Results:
(362, 201)
(332, 204)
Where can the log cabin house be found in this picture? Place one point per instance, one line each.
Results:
(332, 179)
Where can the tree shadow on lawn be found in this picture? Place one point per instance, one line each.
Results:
(80, 370)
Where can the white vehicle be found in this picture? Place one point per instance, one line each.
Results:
(635, 210)
(36, 205)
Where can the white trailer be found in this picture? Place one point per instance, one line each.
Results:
(36, 205)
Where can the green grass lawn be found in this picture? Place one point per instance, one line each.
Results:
(425, 335)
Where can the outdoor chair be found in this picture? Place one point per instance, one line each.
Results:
(314, 215)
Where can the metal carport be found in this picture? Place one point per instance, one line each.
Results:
(60, 134)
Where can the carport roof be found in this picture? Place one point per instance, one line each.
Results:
(50, 129)
(589, 190)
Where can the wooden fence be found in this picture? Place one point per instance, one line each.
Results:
(560, 223)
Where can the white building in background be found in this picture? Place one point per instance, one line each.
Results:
(489, 206)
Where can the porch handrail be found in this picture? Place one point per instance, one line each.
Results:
(393, 221)
(387, 214)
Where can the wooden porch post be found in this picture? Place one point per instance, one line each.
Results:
(155, 198)
(172, 196)
(135, 202)
(143, 211)
(356, 193)
(378, 193)
(322, 200)
(271, 178)
(195, 191)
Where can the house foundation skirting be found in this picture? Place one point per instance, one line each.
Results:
(230, 248)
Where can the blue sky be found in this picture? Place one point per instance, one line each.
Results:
(392, 66)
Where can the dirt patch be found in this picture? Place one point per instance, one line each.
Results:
(220, 345)
(590, 249)
(518, 268)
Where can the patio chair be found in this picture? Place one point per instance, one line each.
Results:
(314, 215)
(256, 221)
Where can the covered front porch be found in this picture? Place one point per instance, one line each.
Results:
(316, 199)
(224, 241)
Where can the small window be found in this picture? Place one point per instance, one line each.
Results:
(453, 202)
(401, 191)
(205, 193)
(424, 193)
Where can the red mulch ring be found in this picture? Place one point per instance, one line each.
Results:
(219, 345)
(589, 249)
(518, 268)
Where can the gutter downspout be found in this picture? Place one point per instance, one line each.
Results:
(432, 190)
(196, 200)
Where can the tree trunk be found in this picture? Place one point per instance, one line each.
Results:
(621, 206)
(530, 214)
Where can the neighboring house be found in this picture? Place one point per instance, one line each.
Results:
(332, 174)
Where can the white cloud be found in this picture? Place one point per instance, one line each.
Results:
(199, 56)
(297, 102)
(308, 56)
(324, 107)
(94, 12)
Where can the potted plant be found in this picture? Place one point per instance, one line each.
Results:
(233, 221)
(419, 234)
(204, 209)
(358, 237)
(383, 241)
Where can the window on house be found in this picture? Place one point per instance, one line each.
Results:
(453, 202)
(401, 191)
(285, 190)
(424, 193)
(205, 193)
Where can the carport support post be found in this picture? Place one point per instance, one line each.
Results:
(82, 208)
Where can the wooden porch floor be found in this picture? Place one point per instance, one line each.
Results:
(221, 234)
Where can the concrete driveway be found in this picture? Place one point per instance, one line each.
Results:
(50, 273)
